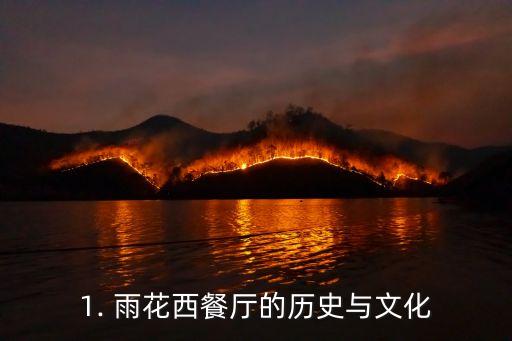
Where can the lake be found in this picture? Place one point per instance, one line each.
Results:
(53, 253)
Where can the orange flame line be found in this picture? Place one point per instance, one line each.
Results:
(126, 161)
(312, 157)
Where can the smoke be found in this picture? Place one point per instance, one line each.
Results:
(445, 78)
(434, 71)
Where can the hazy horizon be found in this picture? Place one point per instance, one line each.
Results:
(437, 71)
(242, 128)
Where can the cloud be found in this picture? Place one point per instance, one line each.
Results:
(443, 79)
(436, 71)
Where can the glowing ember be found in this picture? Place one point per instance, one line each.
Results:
(381, 169)
(245, 166)
(401, 175)
(128, 156)
(384, 170)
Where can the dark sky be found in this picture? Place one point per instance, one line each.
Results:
(434, 70)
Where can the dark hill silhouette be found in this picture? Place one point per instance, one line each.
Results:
(490, 183)
(414, 187)
(162, 124)
(444, 156)
(109, 179)
(278, 178)
(26, 153)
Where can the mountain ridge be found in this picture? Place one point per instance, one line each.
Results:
(28, 152)
(157, 120)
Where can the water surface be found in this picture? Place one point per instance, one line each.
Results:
(56, 252)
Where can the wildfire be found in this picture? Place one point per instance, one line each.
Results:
(401, 175)
(384, 170)
(128, 155)
(380, 169)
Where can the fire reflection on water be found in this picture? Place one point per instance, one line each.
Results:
(243, 227)
(284, 253)
(408, 225)
(226, 245)
(124, 223)
(305, 242)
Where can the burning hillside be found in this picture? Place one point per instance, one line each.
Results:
(280, 178)
(109, 179)
(295, 135)
(133, 158)
(167, 151)
(383, 169)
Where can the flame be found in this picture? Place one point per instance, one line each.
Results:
(129, 156)
(380, 169)
(384, 170)
(245, 166)
(402, 175)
